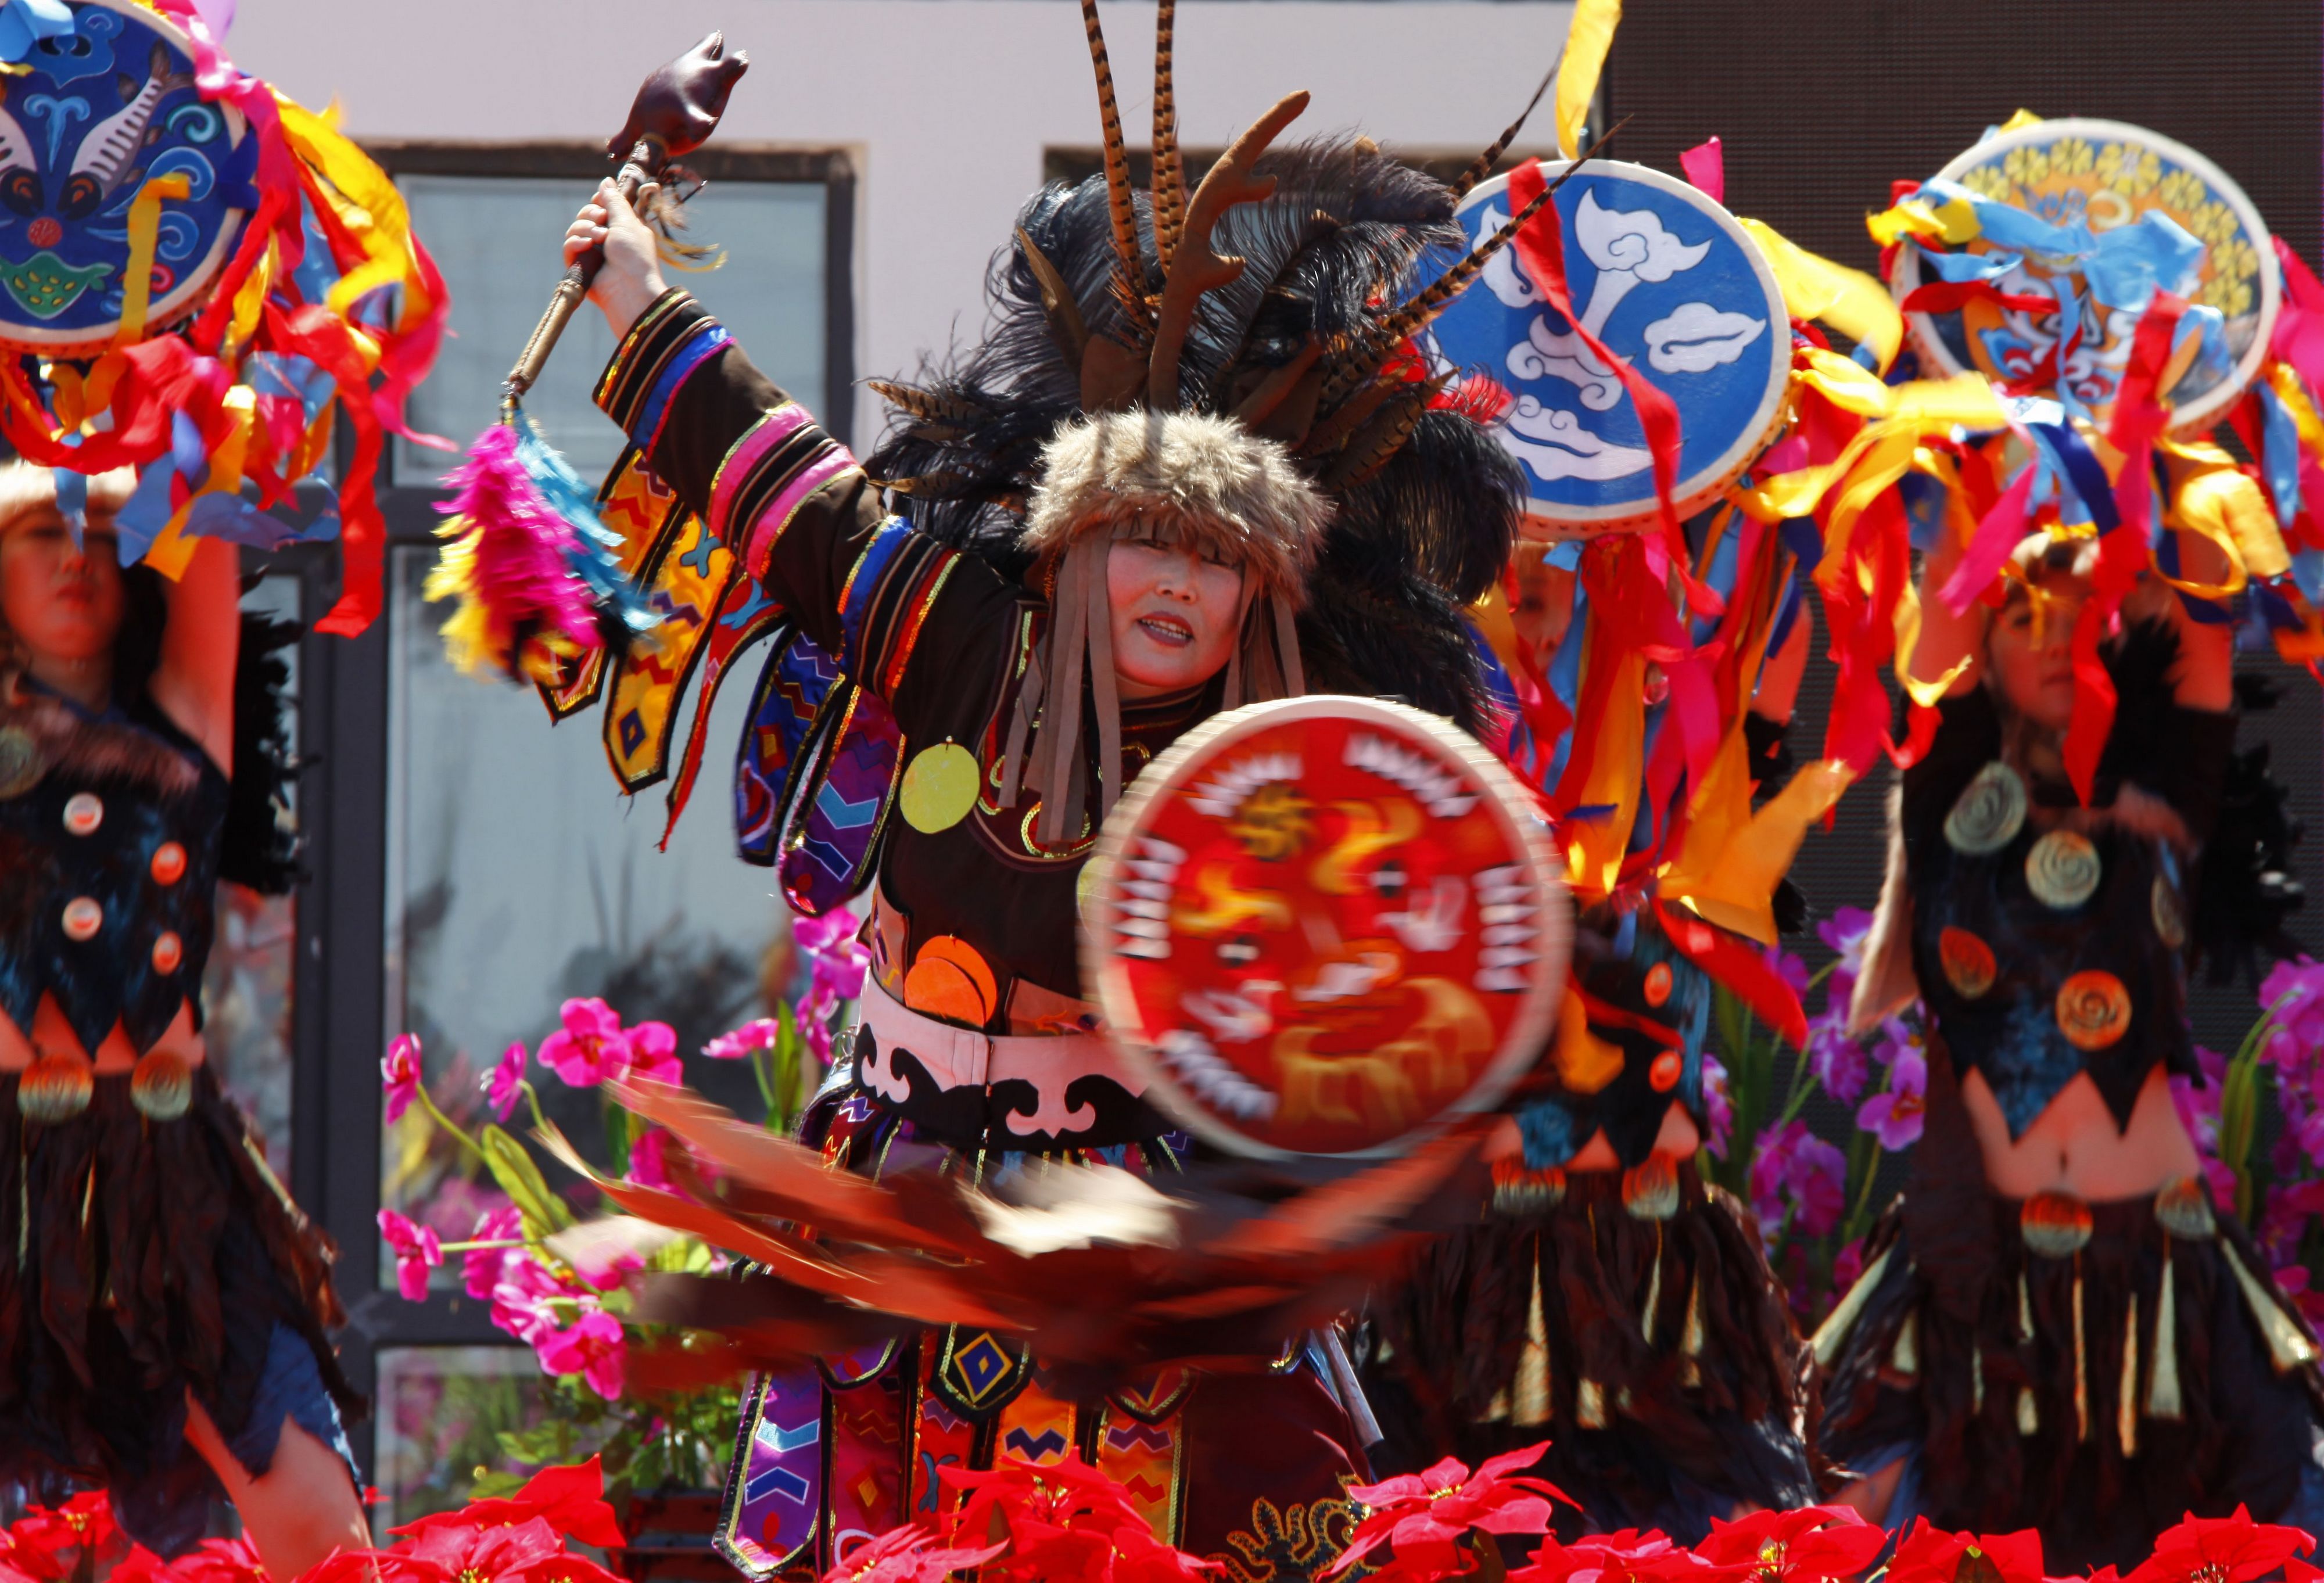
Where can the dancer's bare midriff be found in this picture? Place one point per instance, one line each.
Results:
(2075, 1147)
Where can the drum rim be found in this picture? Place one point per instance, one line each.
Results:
(184, 299)
(2207, 410)
(1689, 494)
(1529, 1029)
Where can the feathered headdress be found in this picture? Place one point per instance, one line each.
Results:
(1260, 326)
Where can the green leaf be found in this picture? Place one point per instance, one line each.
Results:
(2239, 1121)
(512, 1166)
(495, 1485)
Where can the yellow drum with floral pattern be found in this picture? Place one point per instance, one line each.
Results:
(2050, 238)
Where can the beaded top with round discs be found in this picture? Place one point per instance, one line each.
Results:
(1325, 925)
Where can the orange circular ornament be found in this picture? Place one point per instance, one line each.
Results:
(168, 865)
(1658, 984)
(1969, 964)
(1665, 1073)
(1361, 932)
(2055, 1224)
(169, 950)
(2093, 1009)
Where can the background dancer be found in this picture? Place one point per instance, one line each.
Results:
(2057, 1328)
(163, 1316)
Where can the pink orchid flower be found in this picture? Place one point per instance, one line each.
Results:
(594, 1349)
(480, 1267)
(591, 1046)
(417, 1252)
(398, 1075)
(649, 1160)
(504, 1084)
(653, 1053)
(734, 1045)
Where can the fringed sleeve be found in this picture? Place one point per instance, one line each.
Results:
(890, 603)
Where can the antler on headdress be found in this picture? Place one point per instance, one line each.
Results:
(1196, 269)
(1360, 360)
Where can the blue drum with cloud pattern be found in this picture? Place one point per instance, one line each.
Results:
(1666, 280)
(104, 102)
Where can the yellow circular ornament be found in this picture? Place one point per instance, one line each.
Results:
(1989, 813)
(939, 787)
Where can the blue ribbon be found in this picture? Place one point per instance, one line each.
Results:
(2280, 453)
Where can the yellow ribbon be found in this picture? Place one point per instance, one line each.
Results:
(1588, 37)
(1953, 222)
(144, 227)
(367, 206)
(1815, 288)
(1897, 418)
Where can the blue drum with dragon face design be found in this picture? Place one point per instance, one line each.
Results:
(92, 115)
(1666, 280)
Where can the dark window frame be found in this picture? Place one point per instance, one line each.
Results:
(339, 980)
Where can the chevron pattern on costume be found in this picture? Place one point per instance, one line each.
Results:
(1048, 1446)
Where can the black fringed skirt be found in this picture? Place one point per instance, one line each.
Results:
(147, 1260)
(2092, 1370)
(1630, 1320)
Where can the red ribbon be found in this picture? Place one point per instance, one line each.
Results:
(1742, 969)
(2139, 417)
(1541, 250)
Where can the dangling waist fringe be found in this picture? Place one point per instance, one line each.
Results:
(144, 1259)
(1636, 1303)
(2131, 1356)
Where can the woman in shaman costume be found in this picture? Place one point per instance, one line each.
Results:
(163, 1319)
(1612, 1302)
(2056, 1327)
(1149, 495)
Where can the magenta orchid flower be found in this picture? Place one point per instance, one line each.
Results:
(416, 1251)
(1894, 1114)
(480, 1267)
(590, 1047)
(649, 1160)
(1717, 1105)
(1797, 1172)
(741, 1042)
(594, 1347)
(653, 1053)
(504, 1084)
(837, 957)
(398, 1075)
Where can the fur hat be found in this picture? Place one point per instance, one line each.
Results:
(1224, 490)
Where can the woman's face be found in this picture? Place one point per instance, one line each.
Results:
(1544, 609)
(1175, 616)
(2031, 654)
(62, 601)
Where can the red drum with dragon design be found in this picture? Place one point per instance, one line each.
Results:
(1325, 925)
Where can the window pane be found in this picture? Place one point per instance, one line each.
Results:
(439, 1413)
(517, 878)
(496, 240)
(246, 1003)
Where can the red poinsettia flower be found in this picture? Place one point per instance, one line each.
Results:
(1815, 1544)
(529, 1551)
(216, 1560)
(1928, 1554)
(1631, 1556)
(902, 1555)
(47, 1542)
(1425, 1516)
(1066, 1523)
(572, 1500)
(2220, 1550)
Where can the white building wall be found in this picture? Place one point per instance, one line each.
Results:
(947, 104)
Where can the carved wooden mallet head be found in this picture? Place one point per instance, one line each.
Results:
(678, 107)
